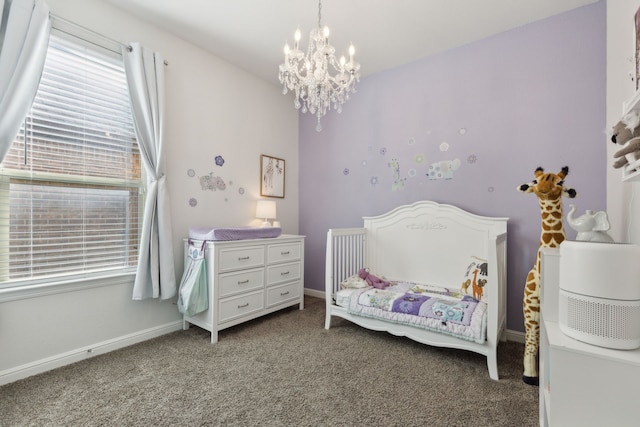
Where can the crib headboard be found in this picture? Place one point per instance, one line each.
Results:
(425, 242)
(429, 241)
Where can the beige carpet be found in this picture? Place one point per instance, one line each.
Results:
(284, 369)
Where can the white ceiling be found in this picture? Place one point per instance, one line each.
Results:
(386, 33)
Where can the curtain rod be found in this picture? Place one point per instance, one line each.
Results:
(93, 33)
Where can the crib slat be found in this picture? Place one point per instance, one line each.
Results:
(346, 249)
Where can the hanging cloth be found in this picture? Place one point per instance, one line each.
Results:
(193, 295)
(24, 39)
(155, 276)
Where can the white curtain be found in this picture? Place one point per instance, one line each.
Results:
(155, 277)
(24, 38)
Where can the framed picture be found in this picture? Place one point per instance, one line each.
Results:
(271, 176)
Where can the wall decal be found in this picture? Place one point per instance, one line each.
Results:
(472, 159)
(383, 151)
(373, 181)
(212, 183)
(193, 202)
(444, 146)
(411, 172)
(490, 189)
(412, 141)
(241, 190)
(191, 173)
(363, 163)
(419, 158)
(462, 131)
(443, 169)
(345, 171)
(219, 161)
(398, 183)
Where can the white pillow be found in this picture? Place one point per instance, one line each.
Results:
(353, 282)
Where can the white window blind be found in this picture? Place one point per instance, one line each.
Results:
(71, 184)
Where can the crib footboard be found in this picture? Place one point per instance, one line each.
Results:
(346, 254)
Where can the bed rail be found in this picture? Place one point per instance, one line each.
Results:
(346, 253)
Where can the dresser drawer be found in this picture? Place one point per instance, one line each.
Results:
(234, 259)
(283, 273)
(283, 252)
(240, 281)
(279, 294)
(233, 307)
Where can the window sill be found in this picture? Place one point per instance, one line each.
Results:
(60, 286)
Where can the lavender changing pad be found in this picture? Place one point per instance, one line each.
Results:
(233, 233)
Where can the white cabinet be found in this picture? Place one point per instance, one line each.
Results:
(581, 384)
(250, 278)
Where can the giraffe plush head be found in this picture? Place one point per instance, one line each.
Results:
(549, 186)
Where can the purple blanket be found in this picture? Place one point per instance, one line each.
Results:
(233, 233)
(429, 307)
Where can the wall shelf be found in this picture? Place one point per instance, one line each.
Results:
(632, 104)
(631, 171)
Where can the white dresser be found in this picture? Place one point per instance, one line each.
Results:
(250, 278)
(581, 384)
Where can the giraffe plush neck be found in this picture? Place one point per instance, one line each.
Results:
(549, 189)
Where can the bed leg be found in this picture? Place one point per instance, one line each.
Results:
(492, 364)
(327, 320)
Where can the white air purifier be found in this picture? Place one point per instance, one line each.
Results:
(599, 298)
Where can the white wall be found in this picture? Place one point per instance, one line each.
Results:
(623, 208)
(213, 109)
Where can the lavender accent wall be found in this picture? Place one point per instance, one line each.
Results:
(481, 118)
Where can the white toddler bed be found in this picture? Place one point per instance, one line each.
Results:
(435, 256)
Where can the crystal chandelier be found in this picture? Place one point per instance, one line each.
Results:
(316, 89)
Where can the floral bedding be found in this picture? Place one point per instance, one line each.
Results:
(429, 307)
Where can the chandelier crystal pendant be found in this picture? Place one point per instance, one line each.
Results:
(320, 82)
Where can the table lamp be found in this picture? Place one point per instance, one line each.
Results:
(266, 209)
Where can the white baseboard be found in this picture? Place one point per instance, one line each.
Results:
(49, 363)
(515, 336)
(33, 368)
(314, 293)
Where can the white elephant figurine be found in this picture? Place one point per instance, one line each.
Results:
(591, 226)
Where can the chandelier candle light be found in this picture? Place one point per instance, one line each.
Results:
(309, 75)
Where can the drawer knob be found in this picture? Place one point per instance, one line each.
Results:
(243, 305)
(242, 282)
(284, 273)
(284, 253)
(243, 258)
(284, 293)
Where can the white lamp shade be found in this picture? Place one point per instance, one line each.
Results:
(266, 209)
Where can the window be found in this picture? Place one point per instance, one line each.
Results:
(71, 185)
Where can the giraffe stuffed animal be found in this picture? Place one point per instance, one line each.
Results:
(549, 189)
